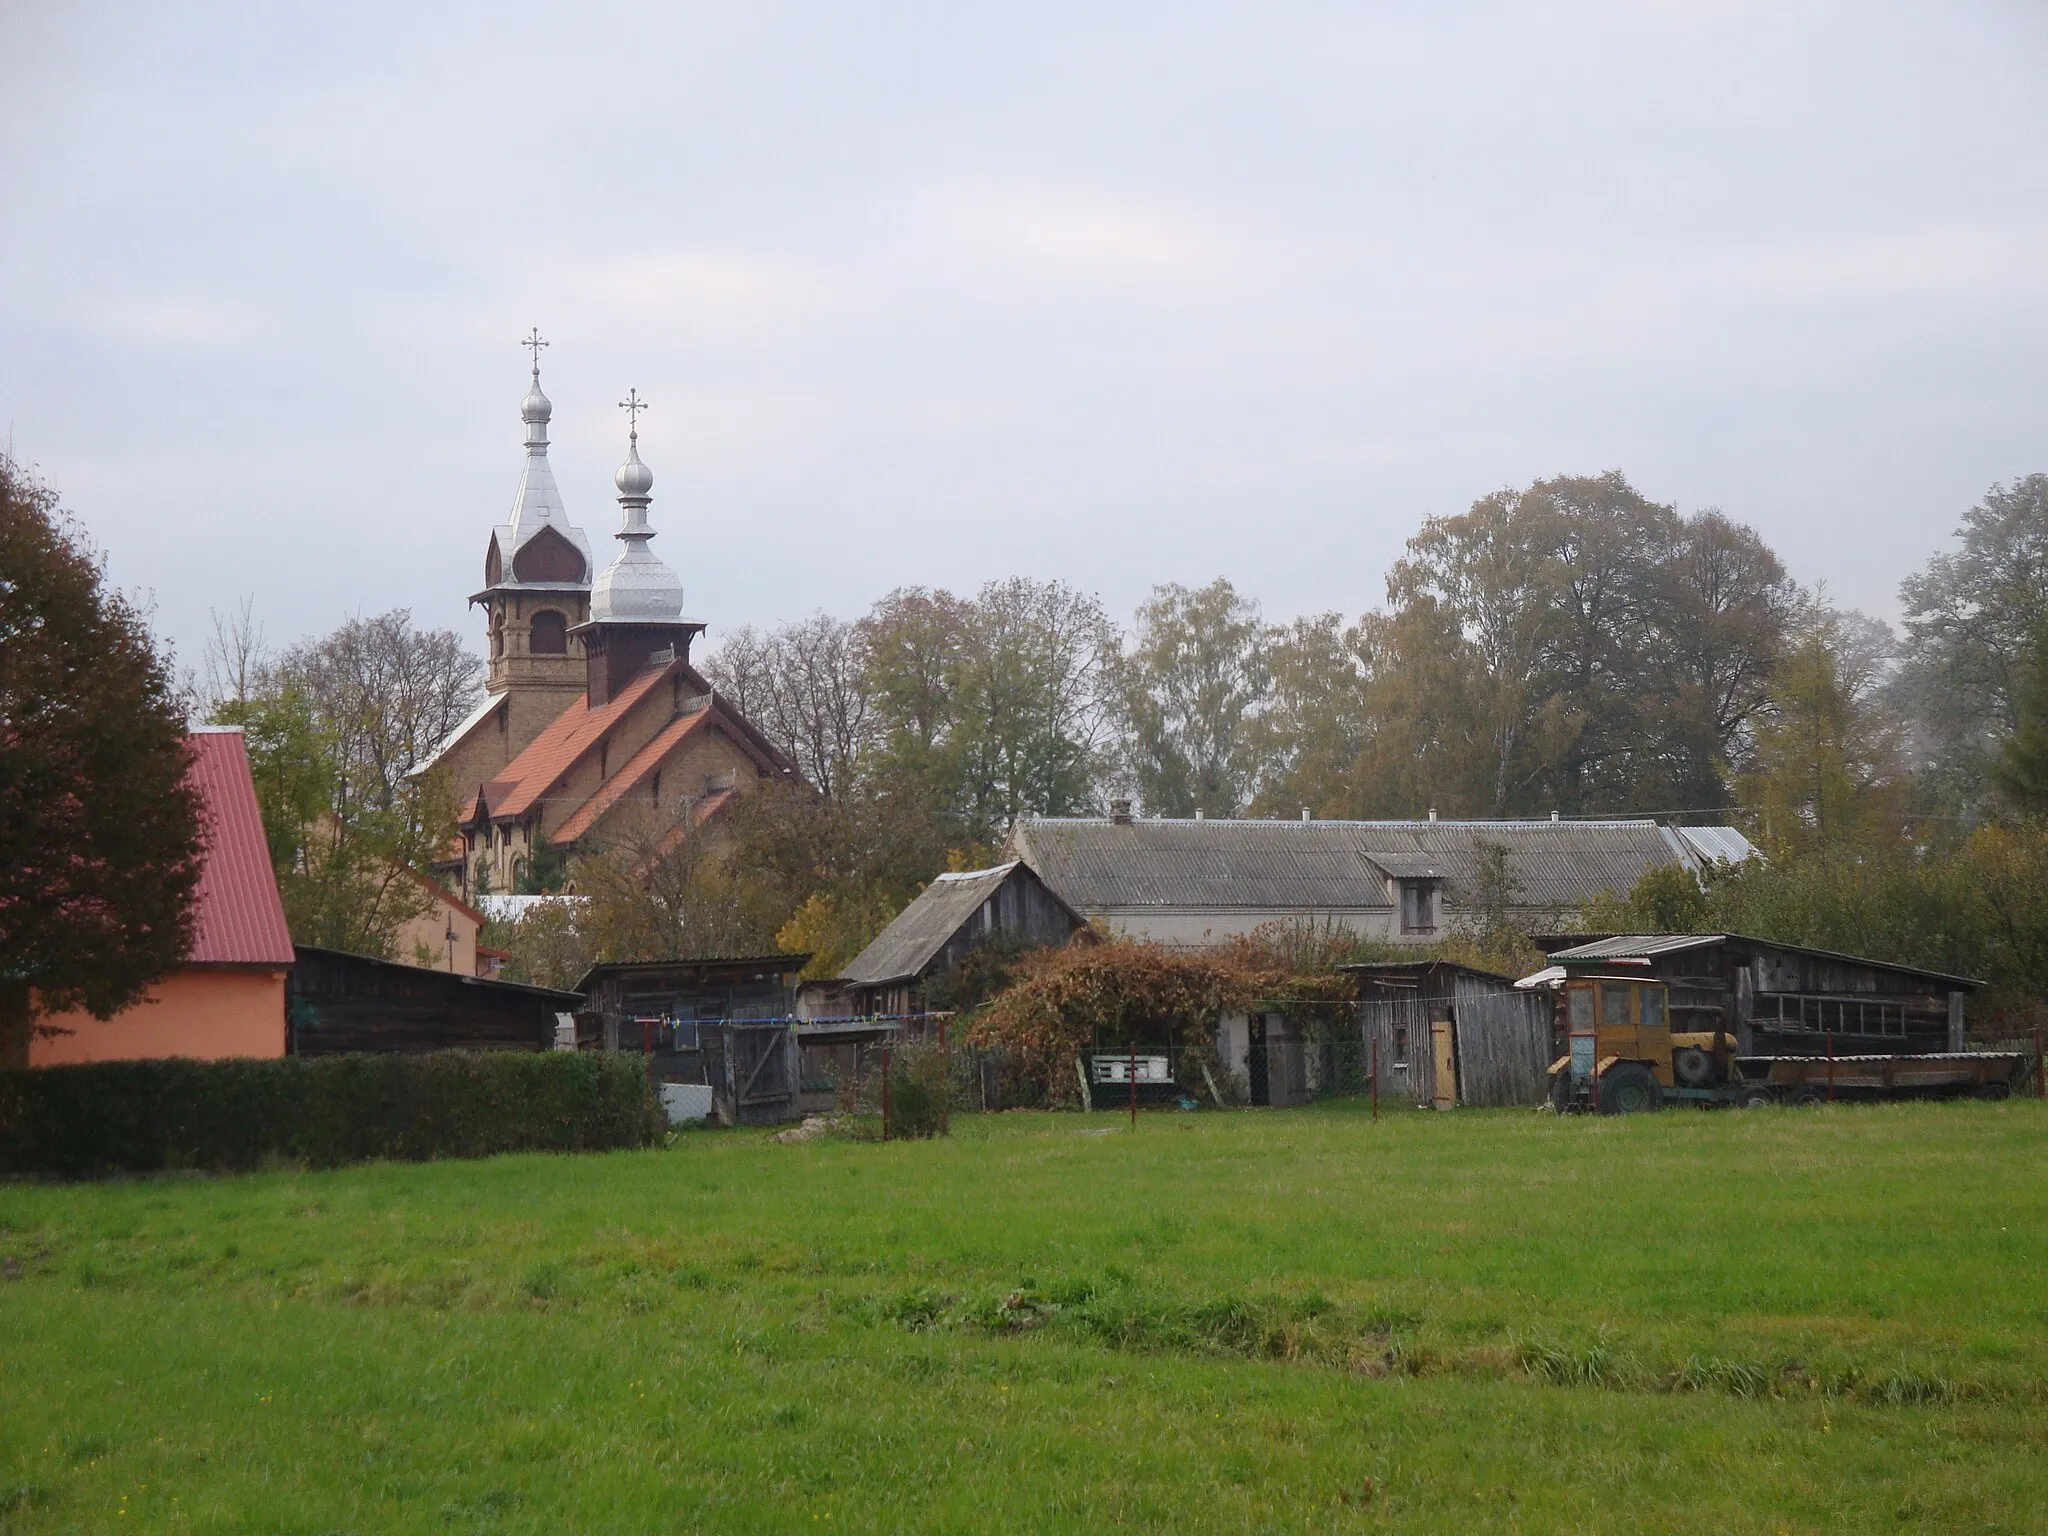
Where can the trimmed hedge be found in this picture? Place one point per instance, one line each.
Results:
(323, 1111)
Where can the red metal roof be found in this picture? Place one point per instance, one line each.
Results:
(240, 918)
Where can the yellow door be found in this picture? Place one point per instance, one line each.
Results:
(1446, 1064)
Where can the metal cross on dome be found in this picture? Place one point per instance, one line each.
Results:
(633, 405)
(533, 344)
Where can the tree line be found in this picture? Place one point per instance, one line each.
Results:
(1572, 646)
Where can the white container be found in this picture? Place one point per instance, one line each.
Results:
(686, 1103)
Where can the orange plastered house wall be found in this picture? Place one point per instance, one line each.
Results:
(228, 997)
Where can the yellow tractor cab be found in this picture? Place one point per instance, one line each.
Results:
(1620, 1056)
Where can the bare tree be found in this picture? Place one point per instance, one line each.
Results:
(388, 695)
(237, 661)
(804, 686)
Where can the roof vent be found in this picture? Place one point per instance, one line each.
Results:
(1120, 812)
(1198, 813)
(1304, 814)
(1432, 813)
(1553, 816)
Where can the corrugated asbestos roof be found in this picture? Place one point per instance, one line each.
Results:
(1099, 865)
(240, 919)
(1719, 845)
(1646, 946)
(920, 931)
(1639, 946)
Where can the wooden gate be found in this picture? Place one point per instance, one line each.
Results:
(755, 1074)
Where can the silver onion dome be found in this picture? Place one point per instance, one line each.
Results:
(637, 584)
(634, 478)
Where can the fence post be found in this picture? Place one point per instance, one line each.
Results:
(886, 1053)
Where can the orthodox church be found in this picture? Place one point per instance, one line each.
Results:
(594, 716)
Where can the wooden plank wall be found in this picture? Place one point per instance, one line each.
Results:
(335, 1007)
(1504, 1047)
(1503, 1042)
(1407, 1071)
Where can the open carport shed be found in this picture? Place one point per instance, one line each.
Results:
(1785, 999)
(337, 1002)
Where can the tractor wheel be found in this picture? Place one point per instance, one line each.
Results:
(1692, 1066)
(1756, 1096)
(1807, 1096)
(1629, 1089)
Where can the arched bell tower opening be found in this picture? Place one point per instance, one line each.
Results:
(549, 634)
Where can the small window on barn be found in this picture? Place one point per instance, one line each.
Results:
(550, 636)
(1400, 1045)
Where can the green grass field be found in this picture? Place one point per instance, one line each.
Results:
(1777, 1320)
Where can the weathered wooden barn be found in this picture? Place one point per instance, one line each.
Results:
(1785, 999)
(1006, 904)
(724, 1023)
(336, 1001)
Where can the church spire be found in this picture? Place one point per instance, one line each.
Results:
(636, 586)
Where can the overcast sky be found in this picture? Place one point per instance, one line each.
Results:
(937, 294)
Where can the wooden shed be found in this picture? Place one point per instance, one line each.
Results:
(1008, 903)
(722, 1022)
(1786, 999)
(336, 1001)
(1447, 1034)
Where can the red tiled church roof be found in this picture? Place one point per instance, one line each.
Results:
(240, 917)
(622, 783)
(524, 781)
(527, 780)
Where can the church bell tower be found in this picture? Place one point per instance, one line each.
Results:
(536, 584)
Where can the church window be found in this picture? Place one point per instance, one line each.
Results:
(549, 635)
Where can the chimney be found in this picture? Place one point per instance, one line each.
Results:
(1198, 813)
(1432, 813)
(1304, 813)
(1553, 815)
(1120, 812)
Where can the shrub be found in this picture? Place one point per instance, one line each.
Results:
(920, 1091)
(142, 1116)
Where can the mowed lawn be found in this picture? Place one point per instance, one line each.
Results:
(1775, 1320)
